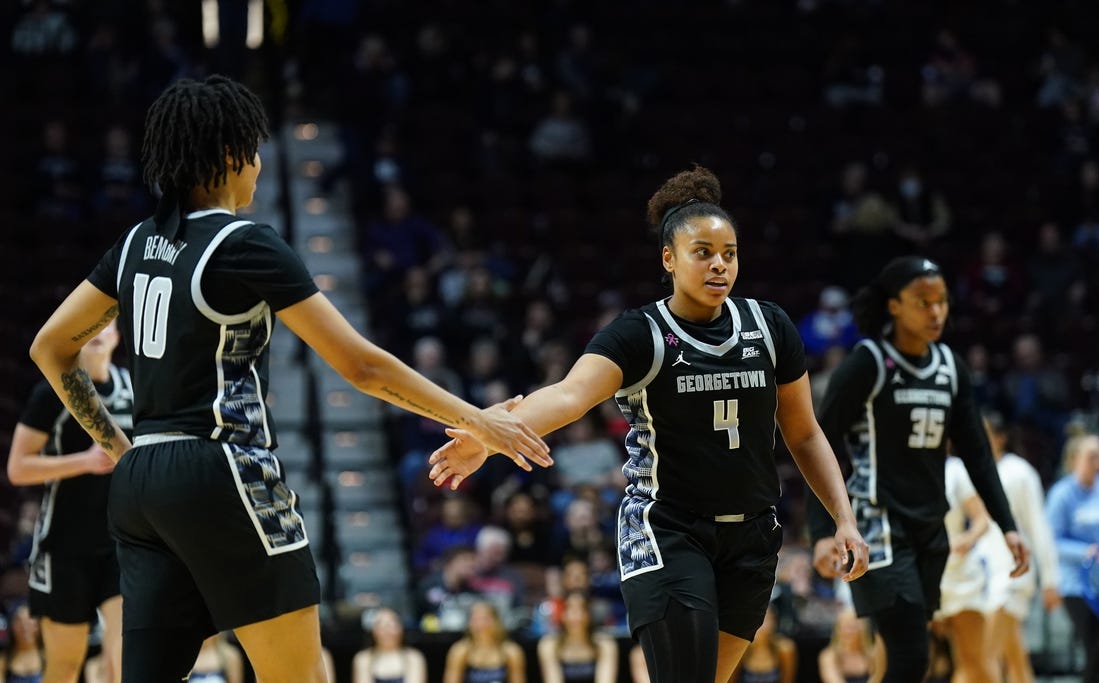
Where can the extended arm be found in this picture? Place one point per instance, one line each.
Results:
(979, 522)
(592, 380)
(379, 373)
(27, 467)
(817, 462)
(56, 349)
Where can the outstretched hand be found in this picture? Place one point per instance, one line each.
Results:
(466, 452)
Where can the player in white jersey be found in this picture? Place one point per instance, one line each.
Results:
(969, 593)
(1025, 494)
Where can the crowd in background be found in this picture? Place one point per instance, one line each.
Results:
(498, 157)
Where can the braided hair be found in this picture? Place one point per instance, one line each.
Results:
(192, 131)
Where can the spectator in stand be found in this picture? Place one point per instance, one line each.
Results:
(992, 283)
(388, 659)
(849, 655)
(561, 136)
(951, 75)
(586, 456)
(1074, 135)
(401, 240)
(118, 184)
(1038, 393)
(457, 526)
(484, 368)
(924, 215)
(44, 30)
(25, 661)
(851, 77)
(987, 389)
(580, 531)
(576, 62)
(480, 311)
(1057, 280)
(862, 222)
(770, 658)
(830, 324)
(1061, 68)
(415, 312)
(57, 193)
(524, 519)
(485, 654)
(495, 578)
(1073, 510)
(818, 381)
(578, 652)
(445, 595)
(218, 662)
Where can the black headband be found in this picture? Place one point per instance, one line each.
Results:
(672, 211)
(900, 271)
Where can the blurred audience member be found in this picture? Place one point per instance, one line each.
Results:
(388, 659)
(830, 324)
(485, 654)
(578, 652)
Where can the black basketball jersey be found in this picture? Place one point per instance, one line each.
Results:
(902, 436)
(702, 416)
(199, 369)
(894, 418)
(73, 516)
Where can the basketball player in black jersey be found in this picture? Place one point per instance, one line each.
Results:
(701, 378)
(891, 406)
(209, 536)
(73, 567)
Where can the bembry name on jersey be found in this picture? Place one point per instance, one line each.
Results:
(720, 381)
(934, 397)
(159, 249)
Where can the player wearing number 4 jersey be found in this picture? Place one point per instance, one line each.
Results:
(209, 536)
(701, 378)
(891, 406)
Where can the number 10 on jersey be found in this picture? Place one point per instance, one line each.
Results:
(725, 417)
(151, 299)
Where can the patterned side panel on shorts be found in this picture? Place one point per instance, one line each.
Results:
(270, 503)
(873, 524)
(637, 549)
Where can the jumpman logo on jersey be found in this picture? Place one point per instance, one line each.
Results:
(680, 359)
(898, 378)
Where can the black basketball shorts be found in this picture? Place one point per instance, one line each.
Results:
(723, 567)
(68, 588)
(209, 537)
(907, 558)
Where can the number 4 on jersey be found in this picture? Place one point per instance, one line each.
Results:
(151, 299)
(725, 417)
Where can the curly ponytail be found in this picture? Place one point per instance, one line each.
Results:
(686, 195)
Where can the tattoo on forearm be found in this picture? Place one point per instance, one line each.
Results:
(87, 408)
(403, 400)
(107, 317)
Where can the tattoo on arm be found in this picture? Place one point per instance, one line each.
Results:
(402, 400)
(107, 317)
(87, 408)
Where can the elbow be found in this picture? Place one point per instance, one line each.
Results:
(16, 475)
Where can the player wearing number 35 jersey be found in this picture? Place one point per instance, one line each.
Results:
(703, 380)
(892, 406)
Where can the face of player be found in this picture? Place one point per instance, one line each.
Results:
(703, 264)
(919, 313)
(246, 181)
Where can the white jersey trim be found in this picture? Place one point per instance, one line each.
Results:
(196, 281)
(871, 428)
(122, 257)
(757, 313)
(921, 373)
(715, 350)
(658, 361)
(948, 361)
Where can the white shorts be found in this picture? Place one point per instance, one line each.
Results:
(979, 580)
